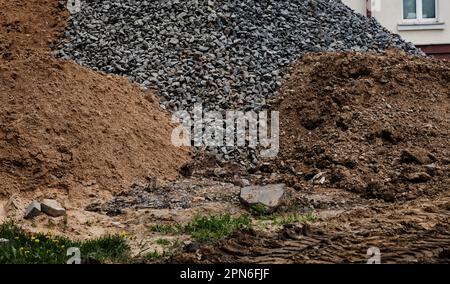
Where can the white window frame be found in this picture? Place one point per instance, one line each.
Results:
(419, 14)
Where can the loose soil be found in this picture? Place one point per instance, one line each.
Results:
(373, 124)
(30, 27)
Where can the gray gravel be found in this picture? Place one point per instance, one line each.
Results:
(225, 54)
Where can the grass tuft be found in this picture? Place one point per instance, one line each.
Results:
(213, 228)
(166, 229)
(206, 228)
(25, 248)
(293, 218)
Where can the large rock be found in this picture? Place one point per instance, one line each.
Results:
(33, 210)
(52, 208)
(270, 196)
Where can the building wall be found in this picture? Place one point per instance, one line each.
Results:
(357, 5)
(390, 14)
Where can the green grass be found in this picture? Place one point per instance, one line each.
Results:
(166, 229)
(259, 209)
(24, 248)
(163, 242)
(295, 218)
(291, 218)
(206, 228)
(213, 228)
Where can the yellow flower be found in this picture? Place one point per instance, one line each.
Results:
(123, 234)
(62, 247)
(33, 238)
(37, 240)
(56, 241)
(16, 238)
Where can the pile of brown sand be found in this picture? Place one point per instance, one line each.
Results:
(374, 124)
(29, 27)
(61, 123)
(63, 126)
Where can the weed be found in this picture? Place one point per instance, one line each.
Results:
(65, 221)
(293, 218)
(259, 209)
(166, 229)
(206, 228)
(25, 248)
(213, 228)
(163, 242)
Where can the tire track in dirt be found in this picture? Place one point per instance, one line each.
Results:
(413, 232)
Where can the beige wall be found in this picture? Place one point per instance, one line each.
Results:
(357, 5)
(390, 14)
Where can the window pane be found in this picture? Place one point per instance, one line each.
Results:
(429, 9)
(409, 9)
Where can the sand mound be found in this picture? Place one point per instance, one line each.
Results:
(31, 26)
(61, 123)
(63, 126)
(369, 123)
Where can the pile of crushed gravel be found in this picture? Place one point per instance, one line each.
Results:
(225, 54)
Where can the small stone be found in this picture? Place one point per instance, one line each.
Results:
(409, 158)
(418, 177)
(52, 208)
(319, 178)
(191, 246)
(270, 196)
(242, 182)
(346, 108)
(33, 210)
(174, 41)
(431, 169)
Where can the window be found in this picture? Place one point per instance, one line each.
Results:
(429, 9)
(420, 10)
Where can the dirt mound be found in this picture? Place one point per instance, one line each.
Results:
(29, 26)
(61, 123)
(63, 126)
(369, 123)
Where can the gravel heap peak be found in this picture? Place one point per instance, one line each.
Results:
(225, 54)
